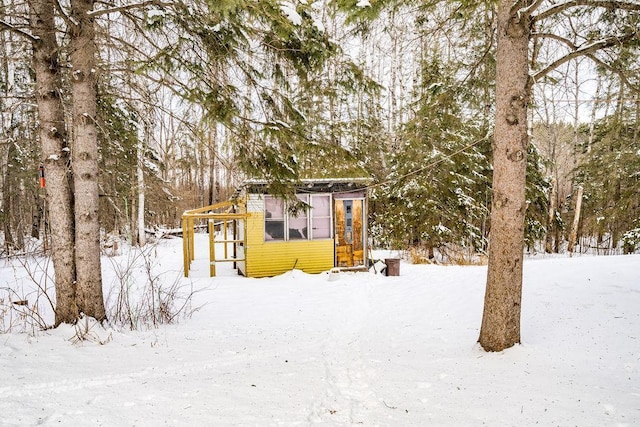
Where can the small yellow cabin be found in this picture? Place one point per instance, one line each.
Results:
(270, 239)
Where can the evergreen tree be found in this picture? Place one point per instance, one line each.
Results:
(612, 201)
(436, 191)
(244, 63)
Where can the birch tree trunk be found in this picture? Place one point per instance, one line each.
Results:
(7, 203)
(573, 236)
(55, 157)
(214, 165)
(142, 238)
(551, 218)
(85, 160)
(7, 105)
(501, 317)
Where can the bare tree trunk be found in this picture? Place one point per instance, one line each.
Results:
(18, 215)
(213, 164)
(393, 110)
(132, 218)
(551, 219)
(501, 317)
(636, 130)
(142, 238)
(592, 121)
(85, 161)
(55, 155)
(573, 236)
(37, 215)
(5, 212)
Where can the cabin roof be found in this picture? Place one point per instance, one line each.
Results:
(313, 185)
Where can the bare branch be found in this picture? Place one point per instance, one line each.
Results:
(609, 4)
(524, 10)
(65, 17)
(5, 25)
(583, 51)
(140, 5)
(623, 77)
(555, 37)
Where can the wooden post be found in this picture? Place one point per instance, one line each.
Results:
(235, 237)
(224, 225)
(192, 238)
(185, 246)
(212, 248)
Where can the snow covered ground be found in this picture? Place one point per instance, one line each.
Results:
(364, 349)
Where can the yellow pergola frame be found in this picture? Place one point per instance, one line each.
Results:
(208, 212)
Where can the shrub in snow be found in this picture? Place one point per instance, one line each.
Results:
(631, 241)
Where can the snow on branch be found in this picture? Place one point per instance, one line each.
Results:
(5, 25)
(582, 51)
(290, 10)
(521, 9)
(609, 4)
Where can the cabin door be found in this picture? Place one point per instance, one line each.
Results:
(349, 216)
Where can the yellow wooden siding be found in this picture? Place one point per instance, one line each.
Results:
(272, 258)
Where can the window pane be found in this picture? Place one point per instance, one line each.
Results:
(321, 228)
(321, 216)
(320, 205)
(273, 218)
(298, 226)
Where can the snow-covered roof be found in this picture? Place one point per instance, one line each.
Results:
(313, 184)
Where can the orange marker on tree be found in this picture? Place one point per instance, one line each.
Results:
(41, 174)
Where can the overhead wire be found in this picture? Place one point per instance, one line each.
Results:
(429, 165)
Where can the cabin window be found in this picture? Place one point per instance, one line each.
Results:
(299, 223)
(273, 218)
(306, 224)
(321, 216)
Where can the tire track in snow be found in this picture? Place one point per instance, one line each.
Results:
(348, 395)
(158, 371)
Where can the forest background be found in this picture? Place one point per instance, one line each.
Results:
(193, 97)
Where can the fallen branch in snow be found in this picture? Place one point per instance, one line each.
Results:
(390, 407)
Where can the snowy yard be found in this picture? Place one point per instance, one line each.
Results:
(365, 349)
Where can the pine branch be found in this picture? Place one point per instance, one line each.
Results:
(5, 25)
(583, 51)
(609, 4)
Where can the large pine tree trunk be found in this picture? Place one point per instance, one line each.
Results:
(55, 155)
(501, 317)
(85, 160)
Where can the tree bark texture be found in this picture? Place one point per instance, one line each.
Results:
(501, 317)
(83, 53)
(55, 157)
